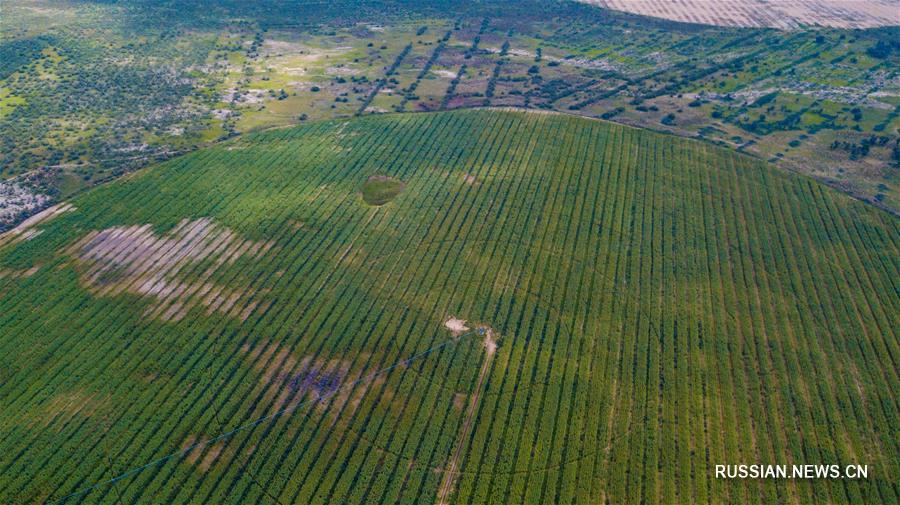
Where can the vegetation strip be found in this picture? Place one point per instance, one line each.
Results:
(647, 295)
(261, 420)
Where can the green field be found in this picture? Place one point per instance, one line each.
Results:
(660, 306)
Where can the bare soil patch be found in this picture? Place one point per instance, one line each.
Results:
(490, 345)
(203, 456)
(135, 260)
(194, 453)
(287, 381)
(457, 326)
(212, 454)
(459, 401)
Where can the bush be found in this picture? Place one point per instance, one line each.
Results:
(881, 50)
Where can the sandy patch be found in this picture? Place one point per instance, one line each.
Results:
(194, 453)
(469, 179)
(202, 454)
(342, 71)
(490, 345)
(445, 73)
(457, 326)
(135, 260)
(235, 96)
(282, 46)
(297, 59)
(459, 401)
(212, 454)
(297, 72)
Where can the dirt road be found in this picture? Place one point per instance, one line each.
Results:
(450, 470)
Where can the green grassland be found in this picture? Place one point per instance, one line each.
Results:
(660, 305)
(379, 190)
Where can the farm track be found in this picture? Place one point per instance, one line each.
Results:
(651, 291)
(450, 471)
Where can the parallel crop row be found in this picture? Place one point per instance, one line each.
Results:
(661, 306)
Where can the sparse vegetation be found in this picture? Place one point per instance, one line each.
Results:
(82, 102)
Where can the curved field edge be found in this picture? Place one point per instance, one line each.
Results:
(660, 305)
(781, 15)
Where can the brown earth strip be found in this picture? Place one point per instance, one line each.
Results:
(450, 470)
